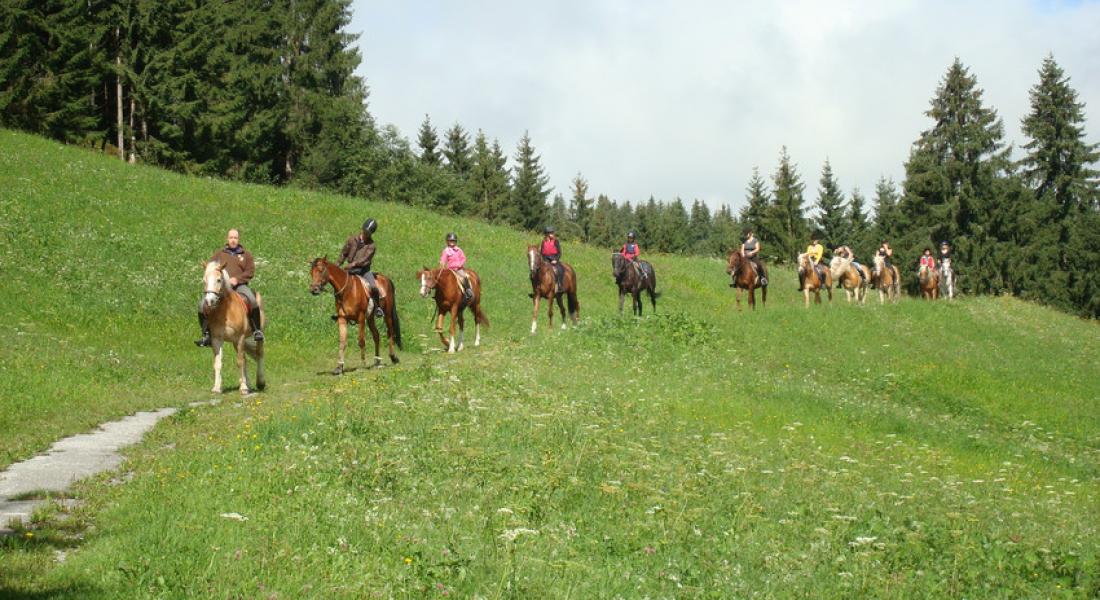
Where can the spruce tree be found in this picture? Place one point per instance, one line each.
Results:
(756, 202)
(858, 236)
(489, 182)
(784, 227)
(456, 149)
(676, 227)
(580, 206)
(700, 229)
(831, 219)
(725, 233)
(559, 216)
(428, 142)
(887, 217)
(529, 189)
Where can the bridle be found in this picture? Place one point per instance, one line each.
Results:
(425, 288)
(327, 280)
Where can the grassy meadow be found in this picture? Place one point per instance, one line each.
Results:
(909, 450)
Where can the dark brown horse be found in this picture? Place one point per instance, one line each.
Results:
(630, 281)
(354, 304)
(812, 280)
(745, 277)
(450, 299)
(544, 285)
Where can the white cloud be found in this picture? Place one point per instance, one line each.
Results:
(683, 99)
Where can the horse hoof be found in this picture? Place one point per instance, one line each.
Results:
(393, 358)
(338, 371)
(260, 386)
(216, 390)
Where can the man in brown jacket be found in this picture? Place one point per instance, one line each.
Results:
(358, 252)
(240, 267)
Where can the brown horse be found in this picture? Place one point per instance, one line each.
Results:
(812, 280)
(544, 285)
(850, 277)
(887, 280)
(227, 314)
(745, 277)
(628, 277)
(354, 304)
(929, 283)
(450, 299)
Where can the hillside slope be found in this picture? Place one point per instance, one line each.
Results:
(917, 449)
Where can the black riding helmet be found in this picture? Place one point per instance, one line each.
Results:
(547, 230)
(630, 235)
(451, 237)
(369, 226)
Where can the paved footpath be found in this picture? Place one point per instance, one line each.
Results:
(69, 460)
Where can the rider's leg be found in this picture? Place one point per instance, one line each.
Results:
(253, 313)
(205, 341)
(376, 293)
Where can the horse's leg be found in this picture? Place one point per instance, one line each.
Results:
(559, 298)
(454, 316)
(258, 355)
(806, 294)
(752, 297)
(622, 296)
(461, 329)
(636, 301)
(738, 299)
(535, 314)
(362, 331)
(375, 336)
(342, 326)
(240, 346)
(653, 299)
(216, 346)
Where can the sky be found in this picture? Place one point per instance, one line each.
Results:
(683, 99)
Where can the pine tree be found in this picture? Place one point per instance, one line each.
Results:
(456, 149)
(529, 190)
(951, 187)
(700, 229)
(428, 142)
(1057, 167)
(756, 202)
(784, 226)
(831, 218)
(859, 233)
(559, 216)
(886, 222)
(580, 206)
(676, 227)
(602, 229)
(725, 232)
(647, 216)
(489, 183)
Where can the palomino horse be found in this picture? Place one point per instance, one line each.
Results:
(450, 299)
(887, 280)
(354, 304)
(947, 279)
(631, 282)
(227, 314)
(850, 277)
(544, 285)
(929, 283)
(812, 281)
(745, 277)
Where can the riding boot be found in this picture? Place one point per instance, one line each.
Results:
(378, 312)
(205, 341)
(255, 321)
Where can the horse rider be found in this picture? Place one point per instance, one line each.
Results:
(454, 260)
(846, 253)
(886, 252)
(550, 249)
(927, 260)
(241, 268)
(358, 252)
(816, 252)
(945, 252)
(630, 251)
(750, 249)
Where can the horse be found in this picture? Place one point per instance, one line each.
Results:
(849, 277)
(929, 282)
(631, 282)
(812, 281)
(226, 313)
(450, 299)
(544, 285)
(947, 279)
(745, 277)
(887, 280)
(354, 304)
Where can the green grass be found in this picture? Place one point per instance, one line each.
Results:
(913, 450)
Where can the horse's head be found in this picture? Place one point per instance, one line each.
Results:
(214, 283)
(534, 258)
(880, 261)
(734, 262)
(318, 275)
(618, 265)
(804, 265)
(427, 281)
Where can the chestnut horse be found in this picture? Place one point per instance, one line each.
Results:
(631, 282)
(227, 314)
(745, 277)
(812, 281)
(887, 280)
(354, 304)
(848, 276)
(450, 299)
(544, 285)
(929, 283)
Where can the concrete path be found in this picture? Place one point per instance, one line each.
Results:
(69, 460)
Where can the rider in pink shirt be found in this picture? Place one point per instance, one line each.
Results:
(454, 259)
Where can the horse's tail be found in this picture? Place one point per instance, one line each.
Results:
(479, 316)
(396, 319)
(571, 299)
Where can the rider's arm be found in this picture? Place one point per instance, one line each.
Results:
(248, 269)
(443, 258)
(345, 253)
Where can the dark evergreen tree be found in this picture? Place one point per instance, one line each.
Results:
(859, 233)
(428, 142)
(756, 202)
(887, 221)
(602, 228)
(529, 189)
(456, 149)
(580, 206)
(489, 183)
(725, 234)
(676, 227)
(647, 217)
(831, 221)
(700, 229)
(784, 228)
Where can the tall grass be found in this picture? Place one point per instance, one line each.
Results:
(918, 449)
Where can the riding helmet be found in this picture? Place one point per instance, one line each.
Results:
(944, 243)
(630, 235)
(370, 225)
(451, 237)
(548, 230)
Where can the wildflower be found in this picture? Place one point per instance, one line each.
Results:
(408, 560)
(510, 535)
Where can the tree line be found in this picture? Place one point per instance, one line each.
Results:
(265, 92)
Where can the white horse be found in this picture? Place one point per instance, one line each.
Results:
(947, 279)
(227, 314)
